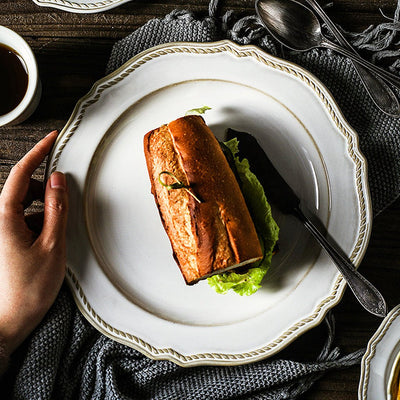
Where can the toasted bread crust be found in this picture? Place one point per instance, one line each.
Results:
(216, 234)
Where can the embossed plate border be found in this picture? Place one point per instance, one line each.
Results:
(376, 374)
(84, 6)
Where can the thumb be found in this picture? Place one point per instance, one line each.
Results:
(55, 212)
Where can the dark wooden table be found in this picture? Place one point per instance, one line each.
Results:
(72, 51)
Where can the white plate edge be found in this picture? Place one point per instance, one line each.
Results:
(371, 349)
(86, 8)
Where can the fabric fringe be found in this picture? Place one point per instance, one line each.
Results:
(327, 360)
(382, 40)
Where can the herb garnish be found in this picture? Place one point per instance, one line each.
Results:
(176, 185)
(198, 111)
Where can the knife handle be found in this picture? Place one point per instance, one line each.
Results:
(368, 296)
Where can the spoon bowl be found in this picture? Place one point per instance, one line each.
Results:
(290, 23)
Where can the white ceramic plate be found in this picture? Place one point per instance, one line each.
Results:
(81, 6)
(120, 264)
(380, 359)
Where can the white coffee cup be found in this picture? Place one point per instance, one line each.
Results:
(30, 101)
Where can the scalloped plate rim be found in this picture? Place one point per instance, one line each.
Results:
(81, 7)
(367, 362)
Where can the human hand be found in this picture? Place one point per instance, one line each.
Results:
(32, 266)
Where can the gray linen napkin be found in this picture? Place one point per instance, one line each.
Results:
(66, 358)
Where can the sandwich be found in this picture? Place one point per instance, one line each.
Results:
(199, 186)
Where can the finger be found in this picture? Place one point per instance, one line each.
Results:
(35, 222)
(55, 213)
(17, 184)
(35, 192)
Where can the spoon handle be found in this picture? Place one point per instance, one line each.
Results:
(387, 76)
(381, 94)
(368, 296)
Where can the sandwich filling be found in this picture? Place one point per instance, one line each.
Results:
(249, 281)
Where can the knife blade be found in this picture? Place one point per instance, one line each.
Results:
(276, 189)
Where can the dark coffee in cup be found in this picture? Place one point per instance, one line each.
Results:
(13, 79)
(20, 86)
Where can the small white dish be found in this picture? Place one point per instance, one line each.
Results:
(33, 93)
(81, 6)
(120, 264)
(378, 366)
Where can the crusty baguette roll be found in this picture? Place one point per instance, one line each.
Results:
(207, 236)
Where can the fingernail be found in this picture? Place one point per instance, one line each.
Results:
(51, 133)
(58, 181)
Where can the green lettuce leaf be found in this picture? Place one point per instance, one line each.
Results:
(268, 231)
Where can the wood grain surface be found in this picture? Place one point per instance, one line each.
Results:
(72, 51)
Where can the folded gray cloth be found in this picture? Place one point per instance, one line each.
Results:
(66, 358)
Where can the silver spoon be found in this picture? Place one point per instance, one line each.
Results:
(297, 28)
(380, 93)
